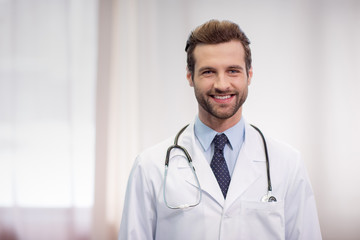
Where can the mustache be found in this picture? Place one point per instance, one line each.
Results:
(224, 92)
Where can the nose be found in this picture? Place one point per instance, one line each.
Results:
(221, 83)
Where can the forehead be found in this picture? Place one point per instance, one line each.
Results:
(228, 53)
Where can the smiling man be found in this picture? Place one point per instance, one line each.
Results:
(222, 179)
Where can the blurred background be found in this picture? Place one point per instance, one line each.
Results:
(85, 85)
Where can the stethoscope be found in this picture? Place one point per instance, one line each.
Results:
(268, 197)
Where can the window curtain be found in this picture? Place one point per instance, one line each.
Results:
(117, 112)
(47, 118)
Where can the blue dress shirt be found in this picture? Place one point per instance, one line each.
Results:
(205, 135)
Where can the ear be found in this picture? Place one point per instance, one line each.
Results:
(189, 77)
(250, 73)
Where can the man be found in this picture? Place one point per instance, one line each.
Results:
(226, 201)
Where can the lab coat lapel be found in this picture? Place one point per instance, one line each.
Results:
(246, 170)
(203, 170)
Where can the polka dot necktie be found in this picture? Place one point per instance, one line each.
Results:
(218, 164)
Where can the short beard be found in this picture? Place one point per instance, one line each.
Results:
(208, 106)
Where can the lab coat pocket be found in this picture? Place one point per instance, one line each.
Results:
(262, 220)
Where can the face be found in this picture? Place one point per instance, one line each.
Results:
(220, 82)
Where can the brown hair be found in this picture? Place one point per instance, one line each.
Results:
(213, 32)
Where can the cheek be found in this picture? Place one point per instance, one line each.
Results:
(201, 86)
(242, 84)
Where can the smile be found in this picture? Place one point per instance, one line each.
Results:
(223, 97)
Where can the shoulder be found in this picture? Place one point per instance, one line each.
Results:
(286, 163)
(154, 155)
(281, 149)
(157, 152)
(278, 150)
(149, 164)
(148, 168)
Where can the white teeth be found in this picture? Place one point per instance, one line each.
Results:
(222, 97)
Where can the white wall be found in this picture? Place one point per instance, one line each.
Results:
(306, 58)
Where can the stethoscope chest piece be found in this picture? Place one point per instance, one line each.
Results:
(268, 198)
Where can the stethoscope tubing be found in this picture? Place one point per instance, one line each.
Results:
(268, 197)
(176, 145)
(266, 156)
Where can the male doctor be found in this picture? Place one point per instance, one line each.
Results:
(230, 200)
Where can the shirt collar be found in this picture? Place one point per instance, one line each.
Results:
(205, 134)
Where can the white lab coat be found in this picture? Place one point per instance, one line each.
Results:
(240, 216)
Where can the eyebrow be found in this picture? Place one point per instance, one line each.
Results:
(236, 67)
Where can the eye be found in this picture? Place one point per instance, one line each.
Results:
(234, 71)
(207, 72)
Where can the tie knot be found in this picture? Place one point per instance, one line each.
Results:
(219, 141)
